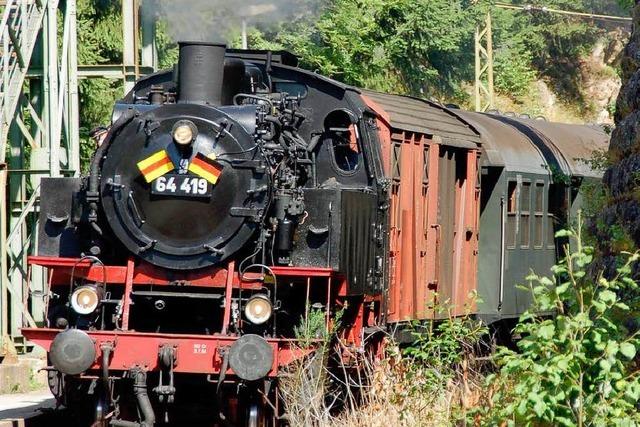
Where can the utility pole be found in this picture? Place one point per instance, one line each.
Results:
(484, 92)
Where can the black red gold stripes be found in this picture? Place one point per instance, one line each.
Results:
(205, 167)
(155, 165)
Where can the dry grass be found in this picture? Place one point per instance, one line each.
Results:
(384, 393)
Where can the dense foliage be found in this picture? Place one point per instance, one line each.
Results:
(426, 47)
(419, 47)
(98, 43)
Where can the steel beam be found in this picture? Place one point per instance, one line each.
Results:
(72, 113)
(149, 49)
(101, 71)
(130, 41)
(51, 85)
(15, 252)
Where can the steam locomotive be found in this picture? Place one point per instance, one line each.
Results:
(238, 196)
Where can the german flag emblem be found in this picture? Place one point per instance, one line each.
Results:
(155, 165)
(205, 167)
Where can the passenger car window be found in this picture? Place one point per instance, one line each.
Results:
(539, 216)
(512, 215)
(511, 197)
(525, 214)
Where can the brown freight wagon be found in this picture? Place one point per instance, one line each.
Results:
(431, 158)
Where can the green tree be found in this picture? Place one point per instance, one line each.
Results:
(413, 47)
(537, 44)
(98, 43)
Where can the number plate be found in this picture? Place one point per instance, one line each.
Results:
(181, 186)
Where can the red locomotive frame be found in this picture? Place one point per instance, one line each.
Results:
(195, 353)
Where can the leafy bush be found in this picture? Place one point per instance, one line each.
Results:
(577, 367)
(440, 362)
(442, 346)
(513, 71)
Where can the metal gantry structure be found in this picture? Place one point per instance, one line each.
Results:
(39, 132)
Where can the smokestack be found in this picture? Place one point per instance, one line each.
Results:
(201, 72)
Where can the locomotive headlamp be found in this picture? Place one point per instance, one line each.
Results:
(85, 299)
(184, 132)
(258, 309)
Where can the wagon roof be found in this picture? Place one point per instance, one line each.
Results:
(503, 145)
(538, 146)
(574, 145)
(419, 115)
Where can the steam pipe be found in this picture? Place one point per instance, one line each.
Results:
(140, 391)
(269, 70)
(106, 353)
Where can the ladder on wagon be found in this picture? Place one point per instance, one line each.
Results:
(39, 136)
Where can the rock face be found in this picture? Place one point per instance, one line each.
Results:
(623, 178)
(600, 83)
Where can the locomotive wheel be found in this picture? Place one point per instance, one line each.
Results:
(256, 413)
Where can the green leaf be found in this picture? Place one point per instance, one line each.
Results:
(605, 365)
(608, 297)
(546, 331)
(561, 289)
(622, 306)
(564, 233)
(539, 407)
(612, 348)
(628, 350)
(621, 384)
(633, 391)
(599, 306)
(564, 421)
(630, 282)
(522, 407)
(545, 281)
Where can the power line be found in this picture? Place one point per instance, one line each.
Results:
(544, 9)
